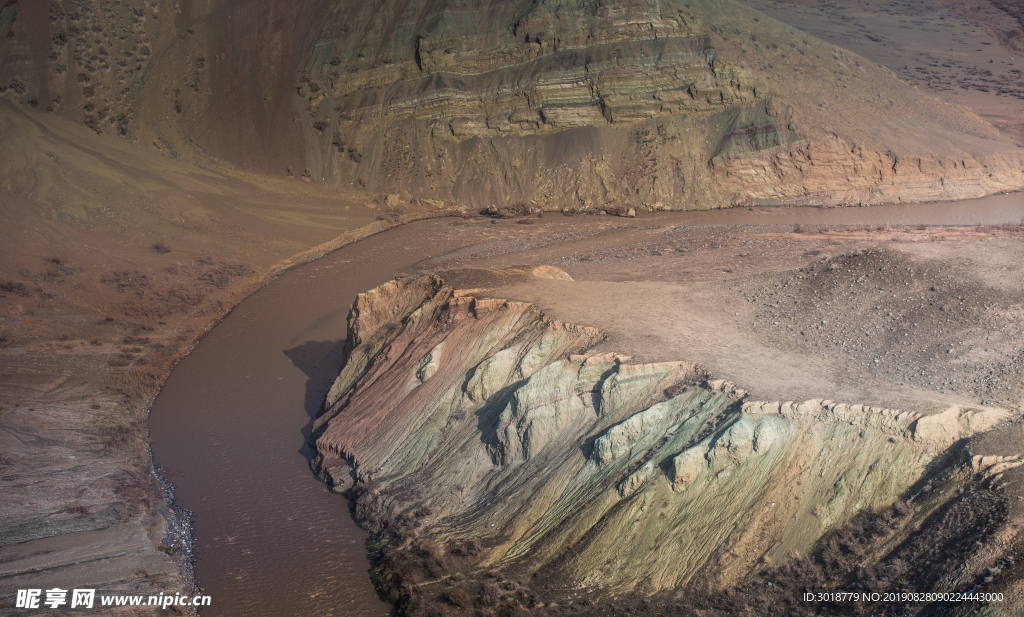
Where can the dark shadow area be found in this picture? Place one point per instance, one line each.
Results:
(489, 416)
(321, 361)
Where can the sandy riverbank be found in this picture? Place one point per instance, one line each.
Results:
(114, 263)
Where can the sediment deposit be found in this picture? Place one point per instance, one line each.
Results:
(483, 445)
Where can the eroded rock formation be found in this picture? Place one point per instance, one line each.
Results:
(476, 436)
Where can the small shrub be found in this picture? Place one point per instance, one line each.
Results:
(161, 248)
(431, 549)
(119, 438)
(137, 489)
(124, 280)
(469, 548)
(123, 359)
(77, 510)
(456, 597)
(14, 288)
(490, 595)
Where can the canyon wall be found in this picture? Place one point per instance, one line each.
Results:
(568, 104)
(478, 437)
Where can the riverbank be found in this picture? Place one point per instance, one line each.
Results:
(93, 513)
(115, 263)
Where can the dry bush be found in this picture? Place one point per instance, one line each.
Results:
(436, 559)
(456, 597)
(18, 289)
(161, 248)
(222, 274)
(121, 437)
(124, 359)
(124, 280)
(507, 212)
(490, 595)
(430, 609)
(468, 548)
(137, 384)
(137, 489)
(180, 299)
(617, 210)
(77, 510)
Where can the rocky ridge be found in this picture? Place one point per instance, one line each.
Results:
(523, 459)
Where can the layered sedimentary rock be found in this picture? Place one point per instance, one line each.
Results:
(579, 105)
(474, 435)
(555, 104)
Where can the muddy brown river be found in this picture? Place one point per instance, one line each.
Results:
(231, 423)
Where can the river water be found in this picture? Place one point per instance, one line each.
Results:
(230, 426)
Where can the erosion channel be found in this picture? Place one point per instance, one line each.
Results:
(231, 426)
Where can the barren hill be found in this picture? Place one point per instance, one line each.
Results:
(578, 104)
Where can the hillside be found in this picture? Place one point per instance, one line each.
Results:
(576, 104)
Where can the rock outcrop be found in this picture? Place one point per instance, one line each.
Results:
(475, 429)
(588, 105)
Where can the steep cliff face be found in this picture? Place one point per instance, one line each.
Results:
(556, 104)
(517, 455)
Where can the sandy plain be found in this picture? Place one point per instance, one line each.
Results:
(968, 52)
